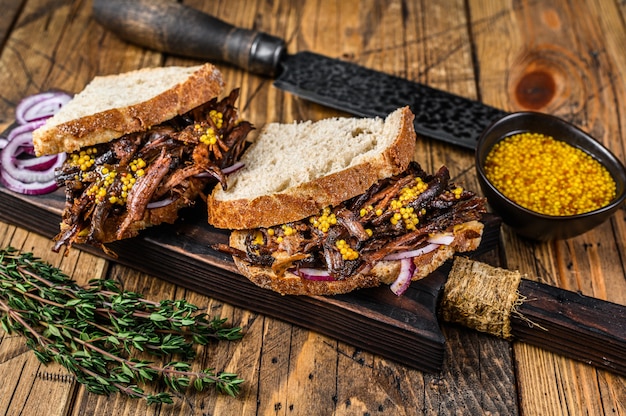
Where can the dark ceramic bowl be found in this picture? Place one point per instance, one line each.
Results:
(531, 224)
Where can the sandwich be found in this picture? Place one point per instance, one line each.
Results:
(328, 207)
(141, 146)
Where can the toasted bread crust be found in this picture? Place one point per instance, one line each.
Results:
(309, 198)
(467, 238)
(201, 86)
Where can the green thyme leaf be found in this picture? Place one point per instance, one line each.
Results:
(95, 331)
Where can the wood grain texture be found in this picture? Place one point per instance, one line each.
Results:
(579, 56)
(478, 49)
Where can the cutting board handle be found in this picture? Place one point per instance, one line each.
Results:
(171, 27)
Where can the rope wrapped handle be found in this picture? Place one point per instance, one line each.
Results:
(481, 297)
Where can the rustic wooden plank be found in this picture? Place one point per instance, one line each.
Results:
(577, 60)
(11, 10)
(435, 44)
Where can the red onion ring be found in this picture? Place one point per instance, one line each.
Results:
(30, 175)
(312, 274)
(412, 253)
(403, 281)
(227, 170)
(442, 238)
(28, 149)
(33, 188)
(25, 130)
(36, 163)
(8, 159)
(233, 168)
(160, 204)
(40, 106)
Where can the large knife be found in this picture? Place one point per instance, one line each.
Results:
(170, 27)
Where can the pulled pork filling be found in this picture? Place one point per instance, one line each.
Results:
(115, 189)
(396, 215)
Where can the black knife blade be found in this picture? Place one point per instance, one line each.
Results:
(170, 27)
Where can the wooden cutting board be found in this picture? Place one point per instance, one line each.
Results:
(404, 329)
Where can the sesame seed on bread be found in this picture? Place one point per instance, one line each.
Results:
(114, 105)
(292, 171)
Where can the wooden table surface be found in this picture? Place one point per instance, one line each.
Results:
(561, 57)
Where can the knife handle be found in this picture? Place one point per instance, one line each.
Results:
(502, 303)
(171, 27)
(568, 323)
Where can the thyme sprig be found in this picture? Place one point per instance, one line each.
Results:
(96, 331)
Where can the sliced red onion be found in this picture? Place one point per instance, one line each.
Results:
(31, 175)
(37, 163)
(160, 204)
(9, 156)
(312, 274)
(442, 238)
(33, 188)
(25, 129)
(203, 175)
(40, 106)
(233, 168)
(412, 253)
(227, 170)
(403, 281)
(29, 149)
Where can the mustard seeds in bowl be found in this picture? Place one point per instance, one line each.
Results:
(546, 178)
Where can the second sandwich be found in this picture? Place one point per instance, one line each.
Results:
(327, 207)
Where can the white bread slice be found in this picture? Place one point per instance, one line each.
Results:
(467, 237)
(114, 105)
(292, 171)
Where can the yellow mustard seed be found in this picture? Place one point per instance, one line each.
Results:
(209, 137)
(83, 159)
(347, 252)
(107, 176)
(324, 221)
(217, 117)
(258, 238)
(548, 176)
(402, 211)
(366, 210)
(288, 230)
